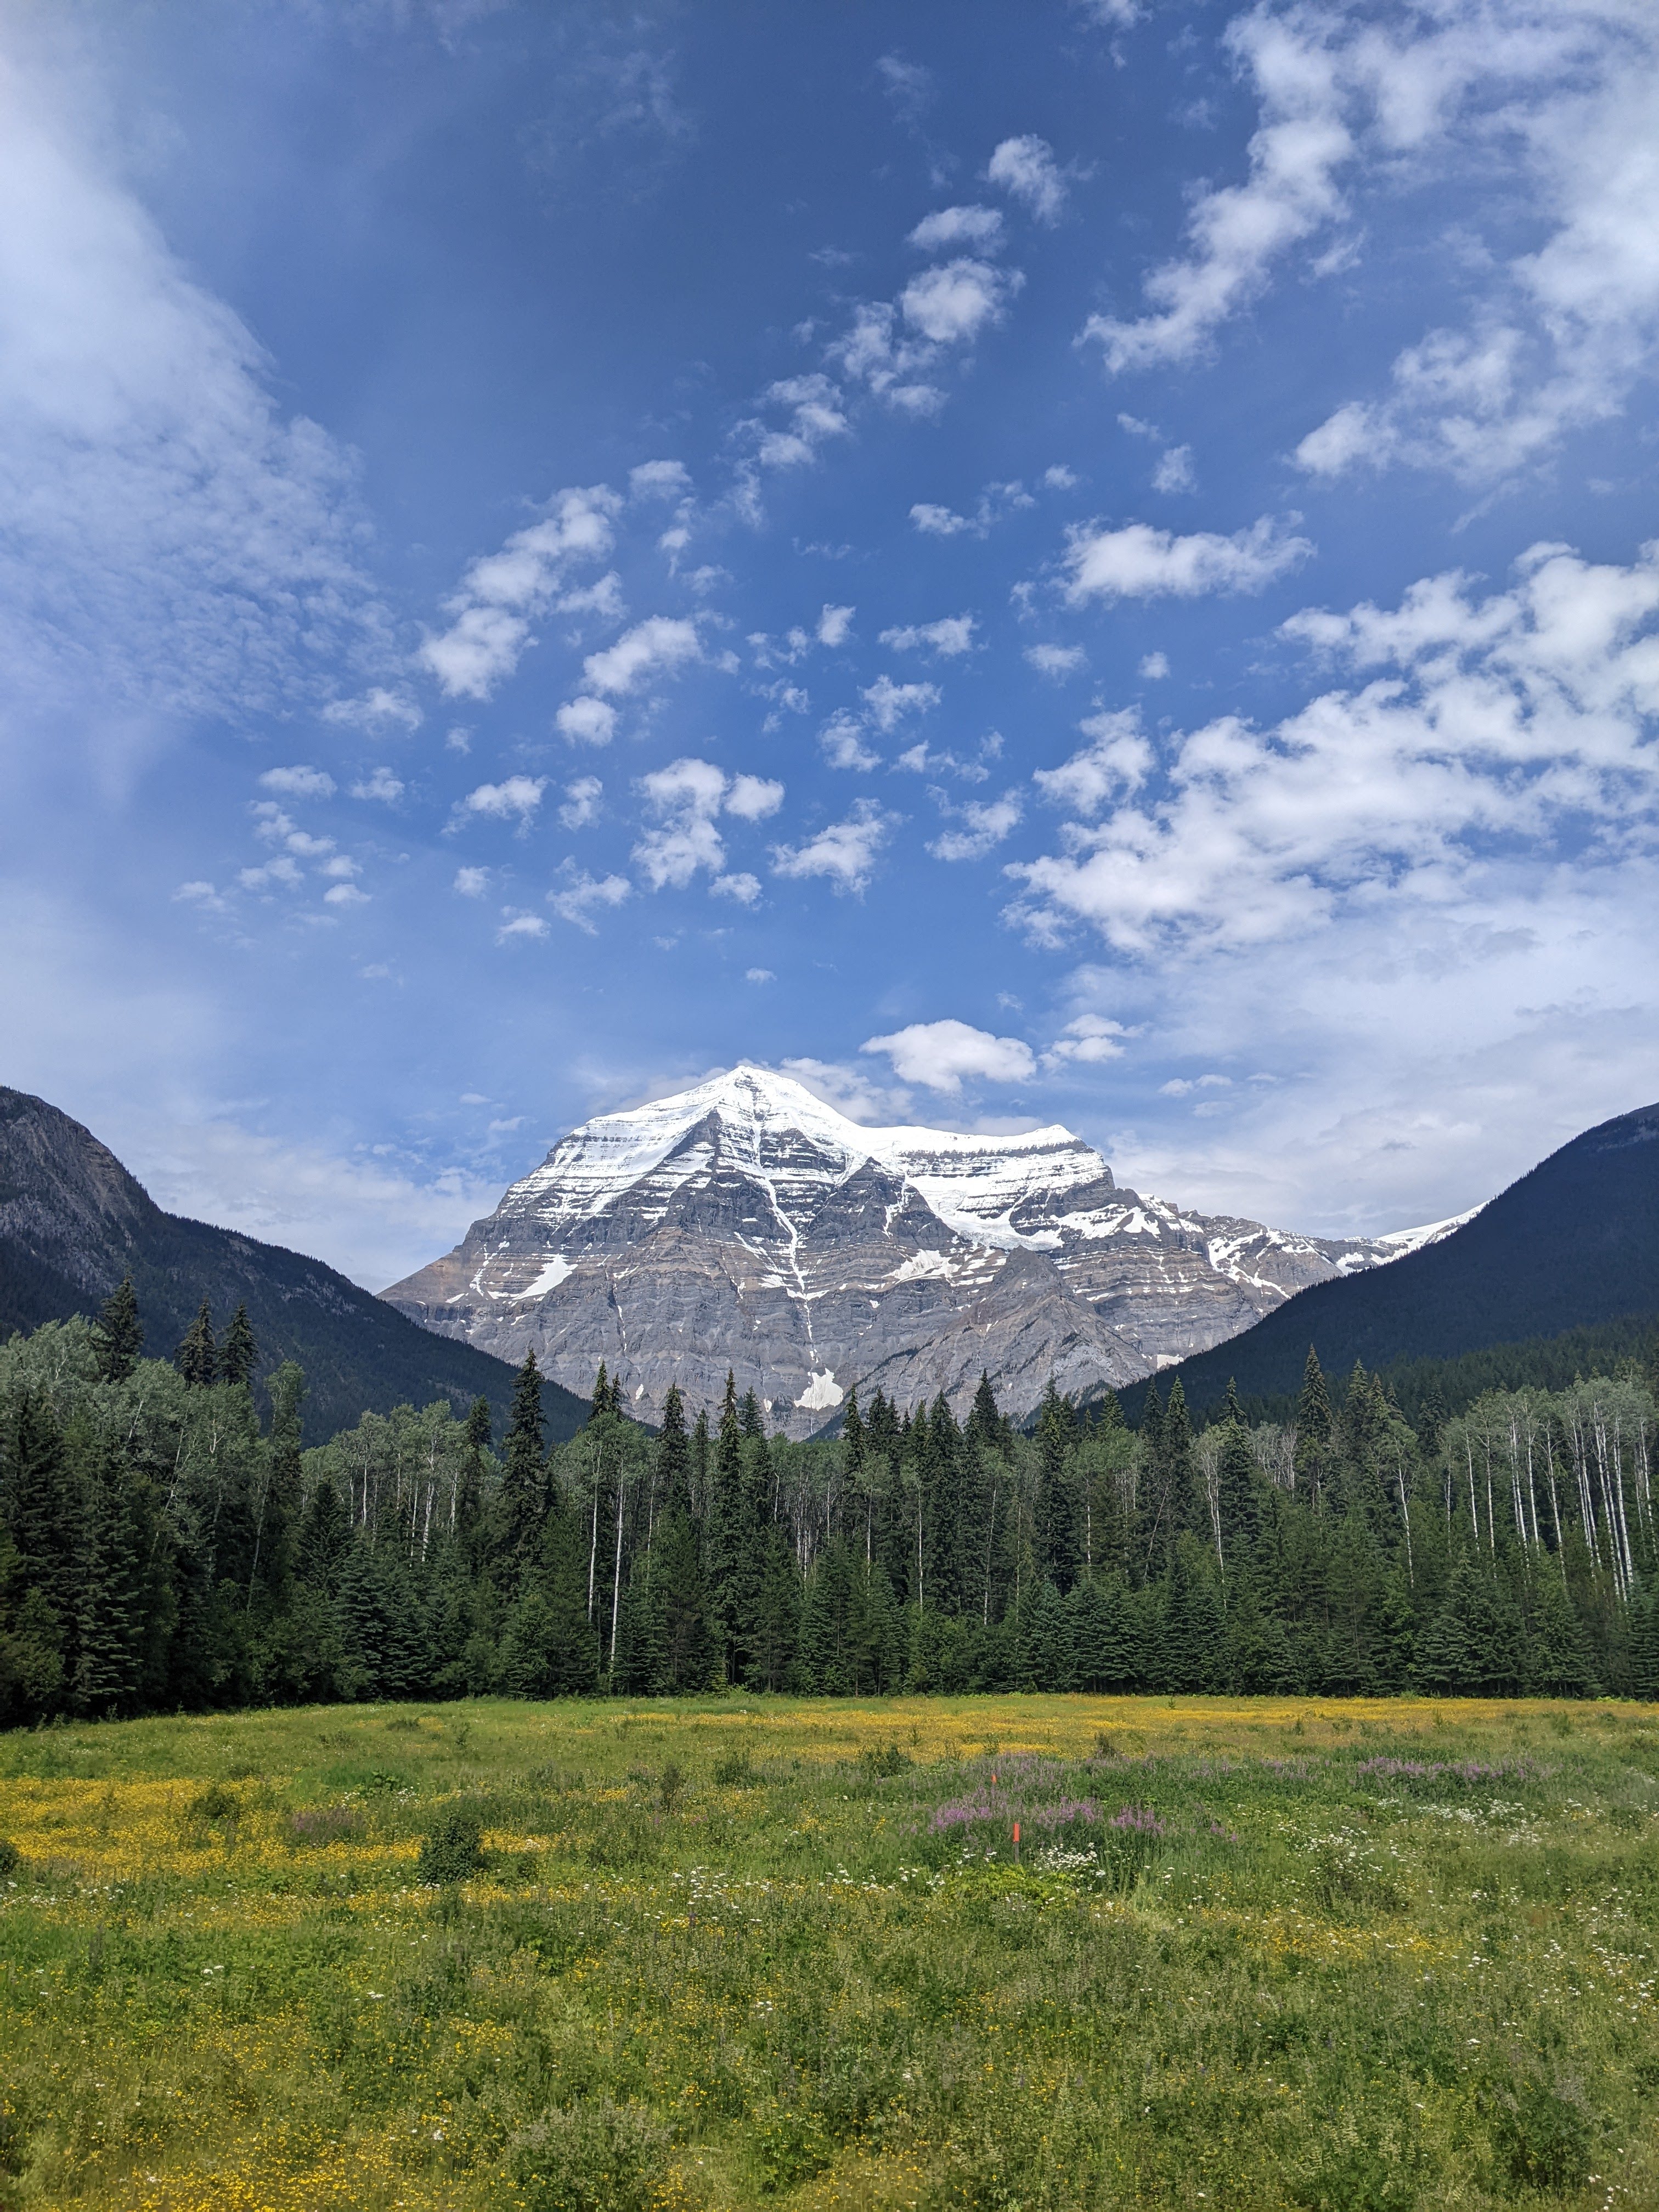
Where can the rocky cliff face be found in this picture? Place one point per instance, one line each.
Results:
(746, 1224)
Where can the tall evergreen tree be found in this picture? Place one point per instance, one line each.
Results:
(1314, 1427)
(196, 1359)
(524, 1477)
(239, 1355)
(120, 1333)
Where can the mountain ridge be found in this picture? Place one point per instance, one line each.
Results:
(745, 1223)
(73, 1221)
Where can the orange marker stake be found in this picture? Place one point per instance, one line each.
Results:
(1017, 1843)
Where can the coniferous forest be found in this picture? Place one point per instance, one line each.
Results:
(162, 1548)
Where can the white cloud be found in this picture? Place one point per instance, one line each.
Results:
(203, 894)
(341, 866)
(381, 784)
(909, 85)
(1026, 167)
(934, 521)
(951, 305)
(581, 802)
(759, 976)
(519, 928)
(815, 415)
(1155, 667)
(1140, 563)
(979, 227)
(1056, 662)
(173, 547)
(1173, 471)
(518, 795)
(1060, 478)
(344, 895)
(1540, 116)
(846, 851)
(297, 782)
(890, 702)
(996, 501)
(587, 721)
(939, 1055)
(1183, 1086)
(753, 798)
(279, 871)
(603, 598)
(842, 740)
(502, 593)
(686, 797)
(582, 894)
(655, 646)
(1117, 759)
(834, 625)
(950, 635)
(1489, 727)
(472, 883)
(660, 480)
(985, 825)
(378, 708)
(1087, 1041)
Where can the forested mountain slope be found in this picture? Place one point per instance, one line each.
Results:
(73, 1222)
(1573, 1245)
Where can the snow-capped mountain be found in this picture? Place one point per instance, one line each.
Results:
(745, 1223)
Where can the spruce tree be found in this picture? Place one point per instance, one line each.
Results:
(239, 1355)
(196, 1359)
(1237, 1482)
(1056, 1503)
(524, 1477)
(1314, 1429)
(120, 1333)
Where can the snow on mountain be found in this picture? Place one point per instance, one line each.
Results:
(746, 1223)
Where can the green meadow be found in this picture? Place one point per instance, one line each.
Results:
(586, 1957)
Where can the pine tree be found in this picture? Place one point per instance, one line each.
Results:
(239, 1355)
(1237, 1484)
(196, 1359)
(324, 1538)
(120, 1333)
(524, 1477)
(1314, 1429)
(1056, 1498)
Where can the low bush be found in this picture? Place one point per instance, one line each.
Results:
(451, 1850)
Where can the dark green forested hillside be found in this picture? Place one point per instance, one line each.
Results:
(160, 1548)
(73, 1223)
(1574, 1244)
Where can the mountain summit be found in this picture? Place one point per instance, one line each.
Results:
(745, 1223)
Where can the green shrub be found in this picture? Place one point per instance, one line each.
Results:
(596, 2156)
(451, 1850)
(882, 1760)
(791, 2145)
(10, 1859)
(1542, 2138)
(734, 1771)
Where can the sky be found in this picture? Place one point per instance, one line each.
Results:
(1095, 562)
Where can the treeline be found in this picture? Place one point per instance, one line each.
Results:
(160, 1548)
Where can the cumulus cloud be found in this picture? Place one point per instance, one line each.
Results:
(472, 883)
(950, 635)
(984, 827)
(297, 782)
(1117, 759)
(686, 797)
(889, 704)
(846, 851)
(939, 1055)
(587, 721)
(1488, 726)
(951, 305)
(979, 227)
(1154, 667)
(1139, 562)
(1027, 169)
(843, 738)
(1173, 471)
(660, 480)
(1086, 1042)
(1057, 662)
(656, 647)
(581, 802)
(816, 414)
(519, 928)
(834, 625)
(581, 895)
(381, 784)
(502, 593)
(516, 795)
(759, 976)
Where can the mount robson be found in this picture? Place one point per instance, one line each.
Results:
(746, 1224)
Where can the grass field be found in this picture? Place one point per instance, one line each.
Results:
(1355, 1958)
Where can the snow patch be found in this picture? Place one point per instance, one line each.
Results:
(822, 1393)
(550, 1277)
(935, 1265)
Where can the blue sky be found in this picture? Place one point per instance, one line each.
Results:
(1079, 563)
